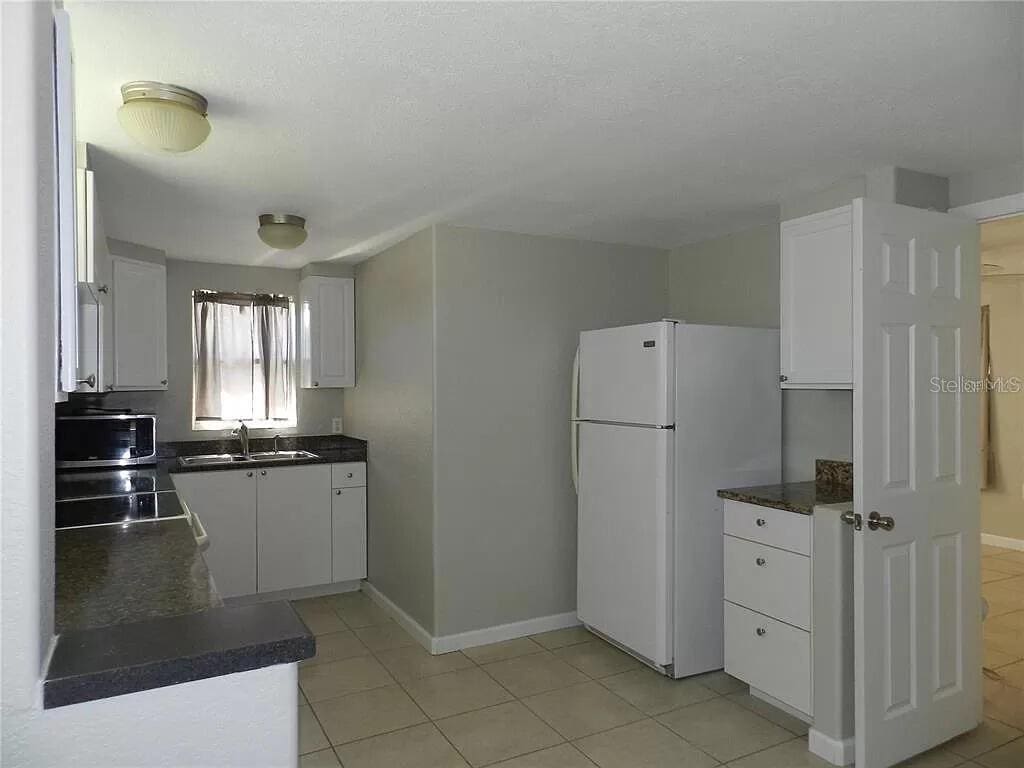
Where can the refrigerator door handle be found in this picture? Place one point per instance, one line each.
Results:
(574, 427)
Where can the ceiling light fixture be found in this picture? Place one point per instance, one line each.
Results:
(283, 231)
(162, 116)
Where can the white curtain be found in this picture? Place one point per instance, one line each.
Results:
(242, 357)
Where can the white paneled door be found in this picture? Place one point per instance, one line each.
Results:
(917, 566)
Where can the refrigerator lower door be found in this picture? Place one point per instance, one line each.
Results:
(625, 536)
(626, 374)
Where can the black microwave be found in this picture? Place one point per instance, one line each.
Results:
(106, 440)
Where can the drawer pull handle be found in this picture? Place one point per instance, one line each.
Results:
(761, 562)
(761, 522)
(761, 631)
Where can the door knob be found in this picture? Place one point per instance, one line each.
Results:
(876, 521)
(90, 380)
(852, 518)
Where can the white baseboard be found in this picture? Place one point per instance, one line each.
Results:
(501, 632)
(407, 622)
(835, 751)
(1002, 541)
(449, 643)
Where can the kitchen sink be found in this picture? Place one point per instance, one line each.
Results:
(210, 459)
(282, 455)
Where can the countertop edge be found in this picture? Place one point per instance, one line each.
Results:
(196, 646)
(800, 509)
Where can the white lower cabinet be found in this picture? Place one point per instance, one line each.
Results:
(293, 523)
(769, 655)
(225, 502)
(280, 528)
(348, 533)
(768, 601)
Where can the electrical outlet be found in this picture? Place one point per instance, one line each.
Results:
(336, 425)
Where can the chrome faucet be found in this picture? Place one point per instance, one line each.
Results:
(243, 438)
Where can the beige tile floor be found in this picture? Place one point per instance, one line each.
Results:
(372, 698)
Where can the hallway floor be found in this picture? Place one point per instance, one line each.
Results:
(373, 698)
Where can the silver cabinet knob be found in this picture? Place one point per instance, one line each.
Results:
(263, 472)
(761, 631)
(89, 380)
(761, 562)
(349, 475)
(103, 289)
(248, 474)
(783, 377)
(761, 523)
(316, 383)
(337, 493)
(164, 382)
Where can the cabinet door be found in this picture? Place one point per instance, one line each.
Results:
(294, 522)
(226, 504)
(328, 332)
(817, 300)
(140, 324)
(348, 522)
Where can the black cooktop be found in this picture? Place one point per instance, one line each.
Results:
(113, 510)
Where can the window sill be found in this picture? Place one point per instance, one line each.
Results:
(227, 426)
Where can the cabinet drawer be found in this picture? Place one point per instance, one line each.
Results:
(768, 580)
(769, 655)
(351, 474)
(774, 527)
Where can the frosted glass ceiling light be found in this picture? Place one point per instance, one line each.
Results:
(164, 117)
(283, 231)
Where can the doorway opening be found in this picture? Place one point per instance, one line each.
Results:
(1002, 467)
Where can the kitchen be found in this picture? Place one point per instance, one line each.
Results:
(431, 360)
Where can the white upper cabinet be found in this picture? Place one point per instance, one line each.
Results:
(139, 291)
(817, 301)
(328, 340)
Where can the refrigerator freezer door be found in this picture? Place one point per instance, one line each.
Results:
(626, 374)
(625, 536)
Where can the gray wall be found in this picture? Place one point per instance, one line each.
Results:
(986, 184)
(734, 280)
(509, 309)
(173, 408)
(391, 406)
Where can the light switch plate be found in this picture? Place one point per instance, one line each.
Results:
(336, 425)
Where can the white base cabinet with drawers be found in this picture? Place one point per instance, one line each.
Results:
(789, 616)
(280, 528)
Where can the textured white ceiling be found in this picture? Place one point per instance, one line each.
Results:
(651, 124)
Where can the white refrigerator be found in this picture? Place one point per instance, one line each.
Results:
(663, 415)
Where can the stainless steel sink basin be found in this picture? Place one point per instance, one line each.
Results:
(282, 455)
(210, 459)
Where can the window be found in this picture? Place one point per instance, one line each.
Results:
(243, 360)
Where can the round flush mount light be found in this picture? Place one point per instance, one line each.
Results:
(282, 231)
(163, 117)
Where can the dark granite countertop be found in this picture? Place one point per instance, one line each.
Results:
(794, 497)
(87, 483)
(124, 658)
(833, 484)
(114, 574)
(329, 449)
